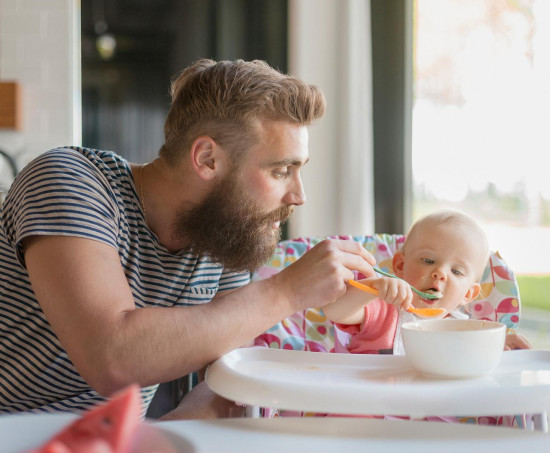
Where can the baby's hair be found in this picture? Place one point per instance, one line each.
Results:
(455, 218)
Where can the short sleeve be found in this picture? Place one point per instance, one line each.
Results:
(374, 336)
(62, 192)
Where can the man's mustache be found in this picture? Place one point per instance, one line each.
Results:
(281, 214)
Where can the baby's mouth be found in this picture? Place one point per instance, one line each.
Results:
(434, 291)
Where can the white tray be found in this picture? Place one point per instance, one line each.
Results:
(378, 384)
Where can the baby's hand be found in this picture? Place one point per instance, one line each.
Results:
(393, 291)
(516, 341)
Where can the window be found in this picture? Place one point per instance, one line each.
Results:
(481, 113)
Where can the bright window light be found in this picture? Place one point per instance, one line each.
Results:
(481, 120)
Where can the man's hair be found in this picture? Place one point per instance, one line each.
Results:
(224, 100)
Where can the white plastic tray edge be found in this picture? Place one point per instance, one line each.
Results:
(343, 383)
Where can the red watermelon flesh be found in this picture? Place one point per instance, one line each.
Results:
(107, 428)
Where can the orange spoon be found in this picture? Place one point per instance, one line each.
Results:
(424, 312)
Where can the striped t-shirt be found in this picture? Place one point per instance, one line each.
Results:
(89, 194)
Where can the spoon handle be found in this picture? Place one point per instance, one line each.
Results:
(362, 287)
(420, 293)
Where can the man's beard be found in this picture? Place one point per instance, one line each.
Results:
(230, 227)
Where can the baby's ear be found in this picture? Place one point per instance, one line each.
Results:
(398, 263)
(472, 293)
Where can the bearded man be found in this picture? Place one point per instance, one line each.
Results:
(114, 273)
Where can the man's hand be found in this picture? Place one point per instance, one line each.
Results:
(319, 277)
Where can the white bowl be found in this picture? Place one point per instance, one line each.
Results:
(453, 348)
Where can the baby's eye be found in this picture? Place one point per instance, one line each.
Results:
(428, 261)
(457, 272)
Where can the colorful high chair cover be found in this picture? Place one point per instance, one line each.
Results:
(309, 330)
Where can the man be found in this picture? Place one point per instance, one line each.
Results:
(106, 267)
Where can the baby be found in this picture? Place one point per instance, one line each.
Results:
(445, 252)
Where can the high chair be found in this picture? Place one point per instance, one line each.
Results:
(310, 330)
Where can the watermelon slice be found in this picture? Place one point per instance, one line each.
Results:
(107, 428)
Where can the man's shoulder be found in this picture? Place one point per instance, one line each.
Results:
(105, 163)
(79, 152)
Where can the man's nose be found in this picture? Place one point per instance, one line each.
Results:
(296, 195)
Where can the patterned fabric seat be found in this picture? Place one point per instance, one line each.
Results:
(309, 330)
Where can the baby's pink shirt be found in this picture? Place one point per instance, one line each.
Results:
(376, 334)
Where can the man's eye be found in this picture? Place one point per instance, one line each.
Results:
(281, 172)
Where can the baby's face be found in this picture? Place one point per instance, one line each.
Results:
(444, 258)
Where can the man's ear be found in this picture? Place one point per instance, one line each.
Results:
(398, 263)
(207, 158)
(472, 293)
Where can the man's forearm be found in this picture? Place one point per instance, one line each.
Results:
(152, 345)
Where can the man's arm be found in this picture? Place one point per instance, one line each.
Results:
(82, 289)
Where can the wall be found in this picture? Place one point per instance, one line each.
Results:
(40, 49)
(329, 46)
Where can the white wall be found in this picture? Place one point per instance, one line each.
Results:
(329, 46)
(40, 49)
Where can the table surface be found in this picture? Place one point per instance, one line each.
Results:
(20, 433)
(378, 384)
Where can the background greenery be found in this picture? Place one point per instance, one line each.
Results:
(534, 291)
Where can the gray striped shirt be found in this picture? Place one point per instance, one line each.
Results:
(89, 194)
